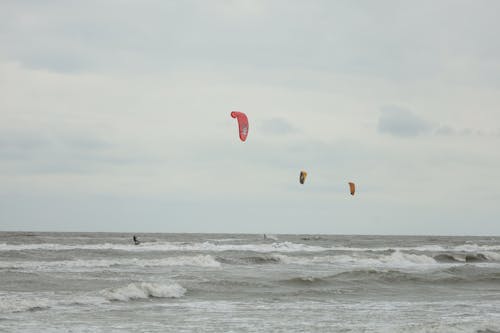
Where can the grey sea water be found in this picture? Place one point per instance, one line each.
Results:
(102, 282)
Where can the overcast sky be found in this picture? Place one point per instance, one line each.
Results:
(115, 116)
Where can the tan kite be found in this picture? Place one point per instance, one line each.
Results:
(352, 187)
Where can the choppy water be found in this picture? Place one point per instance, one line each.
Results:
(83, 282)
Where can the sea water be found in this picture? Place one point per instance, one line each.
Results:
(102, 282)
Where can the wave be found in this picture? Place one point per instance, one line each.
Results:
(225, 240)
(169, 246)
(425, 254)
(470, 258)
(271, 237)
(476, 248)
(439, 327)
(397, 258)
(15, 304)
(471, 273)
(199, 260)
(251, 260)
(40, 301)
(32, 302)
(144, 290)
(394, 259)
(422, 248)
(363, 275)
(458, 274)
(305, 281)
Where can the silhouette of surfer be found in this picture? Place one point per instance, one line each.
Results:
(136, 241)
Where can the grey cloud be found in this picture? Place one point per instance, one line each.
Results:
(470, 132)
(31, 142)
(345, 38)
(446, 130)
(277, 126)
(42, 152)
(21, 143)
(401, 122)
(64, 62)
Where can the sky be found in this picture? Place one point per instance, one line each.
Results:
(115, 116)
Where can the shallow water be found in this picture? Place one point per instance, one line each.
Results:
(102, 282)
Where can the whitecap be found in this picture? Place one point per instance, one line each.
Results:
(144, 290)
(79, 264)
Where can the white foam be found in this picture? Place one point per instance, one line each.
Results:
(459, 257)
(475, 248)
(170, 246)
(422, 248)
(401, 258)
(211, 246)
(199, 260)
(494, 256)
(396, 259)
(225, 240)
(144, 290)
(28, 301)
(439, 327)
(16, 303)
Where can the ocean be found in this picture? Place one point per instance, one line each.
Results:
(102, 282)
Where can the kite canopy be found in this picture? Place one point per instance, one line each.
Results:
(302, 177)
(352, 187)
(242, 124)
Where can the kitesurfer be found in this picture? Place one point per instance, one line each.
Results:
(136, 241)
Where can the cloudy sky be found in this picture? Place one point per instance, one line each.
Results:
(115, 116)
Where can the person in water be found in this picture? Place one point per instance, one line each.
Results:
(136, 241)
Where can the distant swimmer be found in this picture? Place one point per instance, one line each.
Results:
(136, 241)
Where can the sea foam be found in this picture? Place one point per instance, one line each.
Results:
(198, 260)
(144, 290)
(31, 301)
(397, 258)
(169, 246)
(215, 246)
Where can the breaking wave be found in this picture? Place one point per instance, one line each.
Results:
(32, 302)
(144, 290)
(216, 246)
(169, 246)
(305, 281)
(397, 258)
(12, 304)
(394, 259)
(252, 260)
(199, 260)
(459, 274)
(469, 257)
